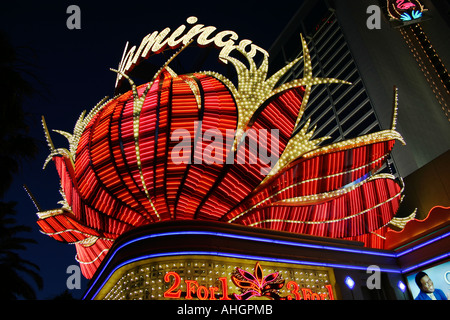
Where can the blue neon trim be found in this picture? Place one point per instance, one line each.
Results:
(424, 263)
(423, 244)
(251, 238)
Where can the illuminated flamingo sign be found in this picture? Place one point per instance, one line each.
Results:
(402, 5)
(405, 10)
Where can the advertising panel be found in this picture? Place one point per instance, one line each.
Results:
(436, 281)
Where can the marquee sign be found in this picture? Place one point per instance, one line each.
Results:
(254, 285)
(125, 167)
(220, 279)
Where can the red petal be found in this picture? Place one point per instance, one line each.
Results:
(365, 209)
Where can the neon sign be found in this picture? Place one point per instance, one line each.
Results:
(405, 10)
(193, 288)
(158, 41)
(123, 170)
(254, 285)
(401, 4)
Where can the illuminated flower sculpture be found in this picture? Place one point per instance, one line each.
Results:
(148, 156)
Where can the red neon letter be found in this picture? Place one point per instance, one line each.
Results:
(330, 291)
(294, 290)
(224, 289)
(202, 293)
(190, 289)
(169, 293)
(306, 293)
(315, 296)
(213, 292)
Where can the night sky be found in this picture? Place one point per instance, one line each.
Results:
(72, 68)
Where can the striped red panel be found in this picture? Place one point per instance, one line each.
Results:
(365, 209)
(375, 239)
(218, 112)
(241, 179)
(318, 175)
(184, 113)
(90, 257)
(65, 228)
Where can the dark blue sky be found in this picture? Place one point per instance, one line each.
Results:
(73, 69)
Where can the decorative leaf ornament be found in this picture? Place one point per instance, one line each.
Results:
(256, 284)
